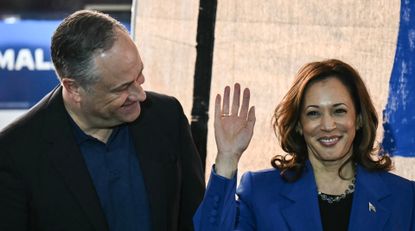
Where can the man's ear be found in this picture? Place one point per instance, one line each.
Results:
(72, 88)
(359, 122)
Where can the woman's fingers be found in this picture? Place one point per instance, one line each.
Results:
(236, 109)
(218, 111)
(236, 99)
(245, 103)
(226, 96)
(251, 118)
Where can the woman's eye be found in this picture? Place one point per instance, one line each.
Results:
(340, 111)
(313, 113)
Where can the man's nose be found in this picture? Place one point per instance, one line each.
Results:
(136, 91)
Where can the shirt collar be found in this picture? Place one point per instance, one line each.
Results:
(81, 136)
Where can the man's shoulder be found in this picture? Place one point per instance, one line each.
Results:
(22, 125)
(157, 103)
(155, 97)
(29, 122)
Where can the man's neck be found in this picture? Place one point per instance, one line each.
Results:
(101, 134)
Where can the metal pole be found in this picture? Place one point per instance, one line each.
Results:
(203, 74)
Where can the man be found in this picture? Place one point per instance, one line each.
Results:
(98, 152)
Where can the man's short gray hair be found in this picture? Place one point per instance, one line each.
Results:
(78, 40)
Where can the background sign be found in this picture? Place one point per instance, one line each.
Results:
(26, 71)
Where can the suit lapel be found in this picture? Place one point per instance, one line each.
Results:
(304, 212)
(68, 160)
(148, 150)
(368, 213)
(370, 189)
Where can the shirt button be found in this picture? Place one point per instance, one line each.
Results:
(115, 173)
(216, 198)
(214, 212)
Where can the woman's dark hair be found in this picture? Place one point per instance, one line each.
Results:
(287, 116)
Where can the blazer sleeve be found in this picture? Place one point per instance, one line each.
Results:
(13, 196)
(220, 211)
(246, 219)
(193, 183)
(218, 208)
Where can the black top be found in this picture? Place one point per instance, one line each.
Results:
(335, 216)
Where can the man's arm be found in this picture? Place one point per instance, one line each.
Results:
(13, 197)
(193, 183)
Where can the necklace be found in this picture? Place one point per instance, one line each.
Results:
(333, 199)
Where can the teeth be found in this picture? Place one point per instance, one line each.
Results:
(325, 140)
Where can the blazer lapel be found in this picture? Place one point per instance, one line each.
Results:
(148, 150)
(68, 160)
(304, 212)
(368, 213)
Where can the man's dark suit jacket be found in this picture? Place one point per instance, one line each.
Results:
(45, 184)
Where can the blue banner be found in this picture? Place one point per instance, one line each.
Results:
(399, 114)
(26, 70)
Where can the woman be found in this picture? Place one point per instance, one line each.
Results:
(331, 177)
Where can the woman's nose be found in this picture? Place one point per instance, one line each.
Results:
(328, 123)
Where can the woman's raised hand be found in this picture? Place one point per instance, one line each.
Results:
(234, 126)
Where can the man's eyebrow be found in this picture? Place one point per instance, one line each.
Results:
(127, 83)
(121, 86)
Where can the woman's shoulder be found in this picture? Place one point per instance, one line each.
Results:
(265, 176)
(396, 180)
(264, 172)
(390, 180)
(262, 187)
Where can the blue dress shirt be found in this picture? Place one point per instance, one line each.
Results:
(115, 171)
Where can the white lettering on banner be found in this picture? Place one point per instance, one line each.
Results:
(24, 59)
(40, 62)
(7, 59)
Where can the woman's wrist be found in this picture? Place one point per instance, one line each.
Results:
(226, 167)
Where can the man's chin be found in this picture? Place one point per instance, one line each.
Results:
(130, 109)
(128, 116)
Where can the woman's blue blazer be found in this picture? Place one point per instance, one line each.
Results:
(381, 201)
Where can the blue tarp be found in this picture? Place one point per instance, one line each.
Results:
(399, 114)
